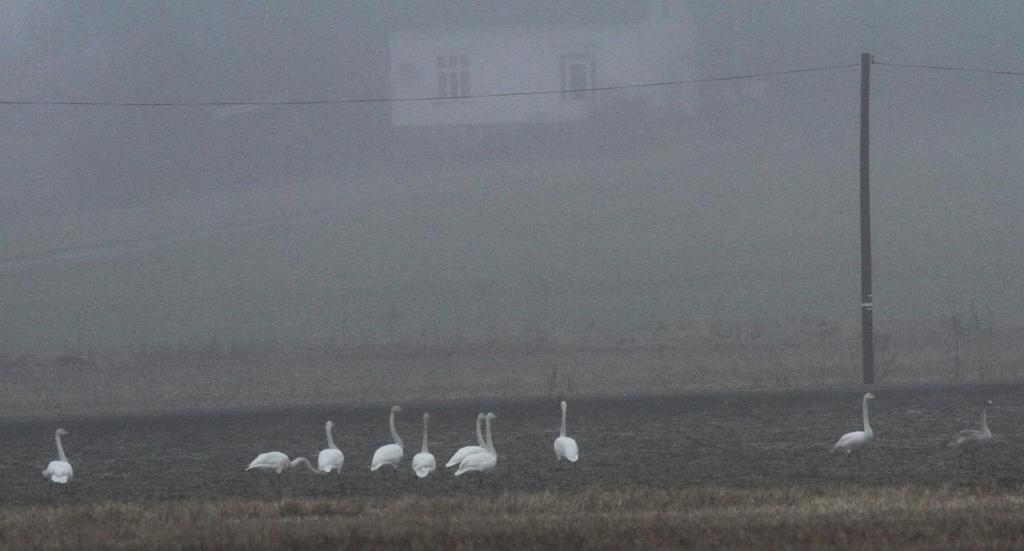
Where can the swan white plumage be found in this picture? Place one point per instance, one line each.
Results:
(277, 463)
(424, 463)
(389, 455)
(484, 461)
(969, 441)
(59, 471)
(565, 447)
(854, 442)
(466, 451)
(330, 459)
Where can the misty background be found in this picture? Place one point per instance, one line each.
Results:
(330, 235)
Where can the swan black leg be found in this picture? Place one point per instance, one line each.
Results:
(277, 486)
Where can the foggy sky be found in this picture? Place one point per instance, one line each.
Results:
(329, 221)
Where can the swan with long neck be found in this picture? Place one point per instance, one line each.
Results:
(565, 447)
(855, 442)
(59, 471)
(970, 441)
(330, 458)
(466, 451)
(424, 463)
(484, 461)
(389, 455)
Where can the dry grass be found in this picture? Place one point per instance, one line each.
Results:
(594, 518)
(221, 376)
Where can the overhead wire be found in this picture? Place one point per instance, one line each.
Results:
(947, 68)
(424, 98)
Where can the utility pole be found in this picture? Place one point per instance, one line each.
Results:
(866, 300)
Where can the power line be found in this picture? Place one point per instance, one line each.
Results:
(424, 98)
(944, 68)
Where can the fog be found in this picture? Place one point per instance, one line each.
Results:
(649, 215)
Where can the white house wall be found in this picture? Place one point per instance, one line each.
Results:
(668, 41)
(518, 59)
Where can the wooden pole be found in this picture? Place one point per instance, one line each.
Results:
(866, 300)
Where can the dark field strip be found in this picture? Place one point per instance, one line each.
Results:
(727, 440)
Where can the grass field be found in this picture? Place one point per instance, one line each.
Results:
(844, 516)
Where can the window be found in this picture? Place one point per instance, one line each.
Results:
(577, 75)
(452, 76)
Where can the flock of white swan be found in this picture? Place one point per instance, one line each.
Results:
(480, 458)
(483, 458)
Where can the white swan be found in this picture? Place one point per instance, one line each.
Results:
(271, 463)
(854, 442)
(466, 451)
(424, 463)
(330, 458)
(565, 447)
(969, 441)
(389, 455)
(59, 471)
(484, 461)
(277, 463)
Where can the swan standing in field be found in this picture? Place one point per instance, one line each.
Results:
(389, 455)
(854, 442)
(330, 458)
(466, 451)
(424, 463)
(59, 471)
(277, 463)
(272, 463)
(484, 461)
(565, 447)
(969, 441)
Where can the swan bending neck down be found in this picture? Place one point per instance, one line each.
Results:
(969, 441)
(424, 463)
(484, 461)
(389, 455)
(466, 451)
(566, 447)
(59, 471)
(277, 463)
(330, 459)
(854, 442)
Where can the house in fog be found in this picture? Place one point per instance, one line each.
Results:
(457, 50)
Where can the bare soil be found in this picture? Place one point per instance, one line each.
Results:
(725, 439)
